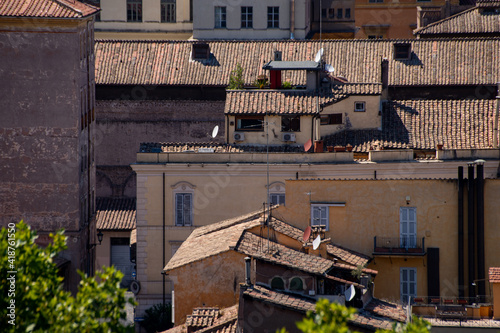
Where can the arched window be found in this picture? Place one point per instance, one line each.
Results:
(296, 284)
(277, 283)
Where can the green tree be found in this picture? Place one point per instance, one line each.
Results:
(158, 318)
(33, 298)
(333, 318)
(236, 78)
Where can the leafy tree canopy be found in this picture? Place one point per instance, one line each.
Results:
(33, 298)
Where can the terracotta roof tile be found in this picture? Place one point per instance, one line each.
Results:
(422, 124)
(295, 302)
(166, 147)
(471, 21)
(488, 3)
(349, 256)
(209, 320)
(46, 8)
(291, 101)
(386, 309)
(434, 62)
(494, 275)
(116, 213)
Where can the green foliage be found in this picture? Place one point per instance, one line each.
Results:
(261, 82)
(236, 78)
(158, 318)
(41, 303)
(333, 318)
(418, 325)
(286, 85)
(328, 318)
(358, 271)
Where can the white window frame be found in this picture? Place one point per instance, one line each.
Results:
(220, 17)
(363, 104)
(277, 190)
(183, 190)
(408, 227)
(323, 211)
(407, 281)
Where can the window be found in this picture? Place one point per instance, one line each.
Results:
(250, 123)
(134, 10)
(402, 51)
(273, 17)
(376, 1)
(408, 282)
(331, 119)
(246, 17)
(323, 12)
(348, 13)
(220, 17)
(277, 283)
(168, 10)
(290, 123)
(183, 209)
(296, 284)
(331, 12)
(339, 13)
(277, 198)
(359, 106)
(319, 216)
(375, 36)
(408, 227)
(174, 247)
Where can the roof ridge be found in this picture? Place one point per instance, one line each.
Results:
(445, 19)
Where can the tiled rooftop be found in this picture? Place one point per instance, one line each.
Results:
(433, 62)
(349, 256)
(494, 275)
(422, 124)
(470, 21)
(386, 309)
(115, 213)
(209, 320)
(173, 147)
(46, 8)
(291, 101)
(488, 3)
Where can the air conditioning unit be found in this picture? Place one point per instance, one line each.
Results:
(288, 137)
(238, 136)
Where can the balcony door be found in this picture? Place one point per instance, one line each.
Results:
(408, 227)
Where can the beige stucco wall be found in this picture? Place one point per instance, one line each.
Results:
(372, 209)
(204, 20)
(103, 251)
(114, 17)
(356, 120)
(275, 133)
(211, 282)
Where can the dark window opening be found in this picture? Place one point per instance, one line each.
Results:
(277, 283)
(331, 13)
(348, 13)
(168, 11)
(246, 17)
(296, 284)
(402, 51)
(339, 13)
(331, 119)
(201, 51)
(134, 10)
(290, 123)
(250, 123)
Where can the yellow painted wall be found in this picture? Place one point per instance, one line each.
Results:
(275, 133)
(211, 282)
(103, 251)
(372, 209)
(496, 300)
(400, 16)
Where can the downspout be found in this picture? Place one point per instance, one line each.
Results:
(461, 262)
(470, 223)
(480, 227)
(292, 19)
(163, 205)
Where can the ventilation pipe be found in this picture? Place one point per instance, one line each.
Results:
(292, 19)
(461, 272)
(248, 261)
(470, 223)
(480, 227)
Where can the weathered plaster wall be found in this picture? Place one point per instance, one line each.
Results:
(211, 282)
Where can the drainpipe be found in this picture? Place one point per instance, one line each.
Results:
(480, 226)
(470, 223)
(292, 19)
(495, 125)
(461, 232)
(163, 205)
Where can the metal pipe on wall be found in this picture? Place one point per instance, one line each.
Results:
(470, 223)
(480, 227)
(292, 19)
(163, 206)
(461, 244)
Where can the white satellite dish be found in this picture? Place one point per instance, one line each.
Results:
(329, 68)
(215, 131)
(319, 55)
(349, 293)
(316, 243)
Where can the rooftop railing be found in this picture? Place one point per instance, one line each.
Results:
(398, 245)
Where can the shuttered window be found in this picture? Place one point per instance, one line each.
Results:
(184, 209)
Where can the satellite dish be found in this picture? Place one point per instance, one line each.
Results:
(307, 234)
(308, 145)
(349, 293)
(329, 68)
(316, 242)
(215, 131)
(318, 56)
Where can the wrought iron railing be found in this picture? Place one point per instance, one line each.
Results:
(398, 245)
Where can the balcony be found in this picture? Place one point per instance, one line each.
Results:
(452, 307)
(402, 246)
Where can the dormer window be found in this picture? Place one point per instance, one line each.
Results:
(201, 51)
(402, 51)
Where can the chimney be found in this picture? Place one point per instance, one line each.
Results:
(248, 261)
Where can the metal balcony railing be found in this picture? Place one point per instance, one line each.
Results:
(399, 245)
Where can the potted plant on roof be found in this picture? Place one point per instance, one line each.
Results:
(348, 147)
(261, 81)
